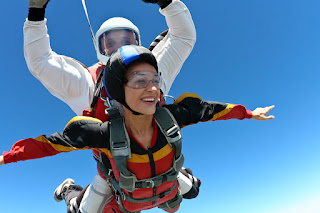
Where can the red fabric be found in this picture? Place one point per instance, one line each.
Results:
(112, 207)
(28, 149)
(95, 70)
(238, 112)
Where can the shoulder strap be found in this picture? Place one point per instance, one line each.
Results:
(170, 128)
(97, 89)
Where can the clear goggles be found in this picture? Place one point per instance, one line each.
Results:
(111, 40)
(141, 79)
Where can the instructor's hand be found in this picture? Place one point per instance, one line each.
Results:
(260, 114)
(38, 3)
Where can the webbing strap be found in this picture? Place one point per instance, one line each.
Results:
(170, 128)
(97, 90)
(120, 142)
(150, 182)
(143, 200)
(171, 204)
(154, 198)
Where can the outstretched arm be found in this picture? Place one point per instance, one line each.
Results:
(189, 109)
(80, 133)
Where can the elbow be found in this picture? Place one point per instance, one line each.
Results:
(193, 39)
(193, 33)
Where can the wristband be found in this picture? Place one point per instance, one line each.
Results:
(36, 14)
(164, 3)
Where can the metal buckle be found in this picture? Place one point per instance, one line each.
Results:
(169, 96)
(110, 172)
(151, 182)
(172, 130)
(119, 145)
(109, 103)
(123, 195)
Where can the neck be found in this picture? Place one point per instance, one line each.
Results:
(140, 126)
(137, 122)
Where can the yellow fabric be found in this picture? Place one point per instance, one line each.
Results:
(78, 118)
(156, 156)
(223, 112)
(186, 95)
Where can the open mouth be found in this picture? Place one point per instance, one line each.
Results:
(148, 99)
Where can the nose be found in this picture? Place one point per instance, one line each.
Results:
(115, 47)
(151, 86)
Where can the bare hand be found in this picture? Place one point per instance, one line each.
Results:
(1, 160)
(38, 3)
(260, 114)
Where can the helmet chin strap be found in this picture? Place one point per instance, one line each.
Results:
(133, 112)
(86, 12)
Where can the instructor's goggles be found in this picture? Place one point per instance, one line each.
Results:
(109, 43)
(141, 79)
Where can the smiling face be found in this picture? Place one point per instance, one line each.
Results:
(142, 100)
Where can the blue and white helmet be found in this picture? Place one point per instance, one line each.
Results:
(116, 23)
(117, 66)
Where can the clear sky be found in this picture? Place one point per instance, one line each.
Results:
(249, 52)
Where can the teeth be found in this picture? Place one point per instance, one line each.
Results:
(148, 99)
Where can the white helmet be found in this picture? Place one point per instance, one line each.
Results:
(116, 23)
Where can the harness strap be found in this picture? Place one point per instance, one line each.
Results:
(171, 130)
(120, 142)
(97, 90)
(105, 166)
(119, 193)
(171, 204)
(170, 175)
(154, 198)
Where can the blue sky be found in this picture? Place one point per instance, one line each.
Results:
(254, 53)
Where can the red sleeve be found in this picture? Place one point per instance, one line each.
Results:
(234, 112)
(28, 149)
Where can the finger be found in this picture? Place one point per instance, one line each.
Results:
(269, 108)
(270, 117)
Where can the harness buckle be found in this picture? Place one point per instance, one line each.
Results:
(151, 182)
(119, 145)
(109, 103)
(110, 173)
(124, 196)
(174, 130)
